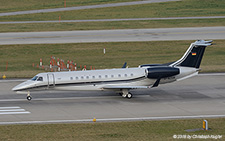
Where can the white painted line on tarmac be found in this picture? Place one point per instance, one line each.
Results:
(60, 98)
(12, 110)
(9, 107)
(13, 80)
(112, 119)
(13, 113)
(211, 74)
(162, 118)
(11, 100)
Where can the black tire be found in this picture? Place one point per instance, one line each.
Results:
(129, 95)
(29, 98)
(120, 94)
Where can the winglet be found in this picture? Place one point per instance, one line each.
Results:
(124, 65)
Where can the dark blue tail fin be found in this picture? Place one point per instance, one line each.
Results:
(124, 65)
(193, 56)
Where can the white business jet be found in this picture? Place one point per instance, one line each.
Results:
(120, 80)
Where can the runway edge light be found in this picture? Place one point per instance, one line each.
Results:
(205, 125)
(94, 120)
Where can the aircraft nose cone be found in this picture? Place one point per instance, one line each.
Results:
(16, 88)
(20, 86)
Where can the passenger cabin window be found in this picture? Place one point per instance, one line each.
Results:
(82, 77)
(100, 76)
(71, 78)
(132, 74)
(93, 77)
(112, 76)
(77, 78)
(125, 75)
(87, 77)
(119, 75)
(40, 79)
(106, 76)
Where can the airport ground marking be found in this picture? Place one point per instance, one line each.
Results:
(12, 110)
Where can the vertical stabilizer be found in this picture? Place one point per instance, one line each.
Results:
(193, 56)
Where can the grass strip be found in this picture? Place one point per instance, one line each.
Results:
(132, 131)
(184, 8)
(23, 5)
(21, 57)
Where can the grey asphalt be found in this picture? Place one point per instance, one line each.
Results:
(84, 7)
(113, 20)
(123, 35)
(202, 96)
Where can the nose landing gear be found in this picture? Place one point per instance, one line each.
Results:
(29, 96)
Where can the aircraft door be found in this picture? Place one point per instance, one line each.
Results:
(51, 80)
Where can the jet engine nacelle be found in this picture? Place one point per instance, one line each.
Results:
(161, 72)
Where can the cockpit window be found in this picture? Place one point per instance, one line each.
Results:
(40, 79)
(34, 78)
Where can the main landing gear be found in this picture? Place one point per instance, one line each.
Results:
(126, 94)
(29, 96)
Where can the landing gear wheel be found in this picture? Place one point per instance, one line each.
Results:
(129, 96)
(124, 95)
(29, 98)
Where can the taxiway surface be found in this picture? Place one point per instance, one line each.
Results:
(123, 35)
(202, 96)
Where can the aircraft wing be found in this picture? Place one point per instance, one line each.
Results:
(125, 87)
